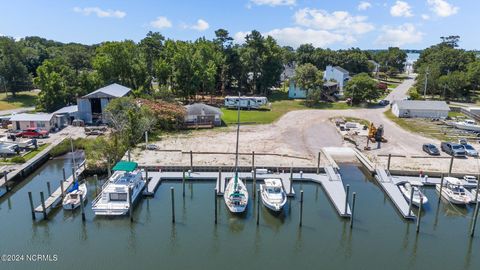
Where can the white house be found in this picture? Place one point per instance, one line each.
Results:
(420, 109)
(200, 114)
(338, 74)
(92, 106)
(23, 121)
(294, 91)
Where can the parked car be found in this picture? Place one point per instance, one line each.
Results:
(430, 149)
(33, 133)
(453, 149)
(152, 147)
(384, 102)
(469, 150)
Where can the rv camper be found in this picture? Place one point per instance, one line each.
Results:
(232, 102)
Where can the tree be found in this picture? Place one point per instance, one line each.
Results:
(309, 78)
(13, 72)
(152, 46)
(454, 84)
(451, 41)
(362, 88)
(392, 61)
(473, 74)
(53, 77)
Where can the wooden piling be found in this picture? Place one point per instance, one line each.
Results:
(215, 201)
(49, 189)
(130, 204)
(419, 216)
(5, 174)
(410, 203)
(64, 175)
(191, 160)
(73, 174)
(253, 160)
(291, 181)
(82, 207)
(258, 207)
(62, 189)
(146, 177)
(347, 192)
(219, 185)
(318, 162)
(183, 183)
(451, 166)
(475, 216)
(441, 188)
(172, 192)
(388, 163)
(301, 208)
(95, 177)
(254, 182)
(44, 210)
(354, 195)
(32, 209)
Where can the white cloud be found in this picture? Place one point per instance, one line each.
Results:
(274, 3)
(399, 36)
(201, 25)
(442, 8)
(401, 9)
(364, 5)
(161, 23)
(101, 13)
(338, 21)
(295, 36)
(425, 16)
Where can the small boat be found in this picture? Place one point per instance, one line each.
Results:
(473, 193)
(236, 195)
(72, 198)
(454, 191)
(272, 194)
(467, 125)
(406, 190)
(469, 181)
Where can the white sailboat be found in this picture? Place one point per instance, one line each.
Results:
(454, 191)
(72, 198)
(236, 194)
(272, 194)
(406, 190)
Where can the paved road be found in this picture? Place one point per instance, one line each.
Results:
(19, 110)
(401, 91)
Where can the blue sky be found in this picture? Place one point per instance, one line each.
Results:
(367, 24)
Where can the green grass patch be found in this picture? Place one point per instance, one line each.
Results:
(65, 146)
(33, 153)
(21, 99)
(456, 114)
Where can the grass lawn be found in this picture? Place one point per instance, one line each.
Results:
(22, 99)
(33, 153)
(280, 106)
(456, 114)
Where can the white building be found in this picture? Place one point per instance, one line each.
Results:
(420, 109)
(22, 121)
(92, 106)
(294, 91)
(337, 74)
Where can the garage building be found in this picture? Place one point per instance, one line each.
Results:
(420, 109)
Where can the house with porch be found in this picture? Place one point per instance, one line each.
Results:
(337, 74)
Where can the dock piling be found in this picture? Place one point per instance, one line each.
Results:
(146, 177)
(49, 189)
(258, 207)
(62, 189)
(183, 183)
(253, 160)
(30, 198)
(388, 163)
(215, 201)
(191, 160)
(172, 192)
(354, 195)
(347, 192)
(254, 181)
(410, 203)
(301, 208)
(130, 204)
(219, 189)
(44, 210)
(318, 162)
(441, 188)
(451, 166)
(475, 216)
(82, 207)
(73, 174)
(95, 177)
(5, 174)
(419, 217)
(64, 175)
(291, 180)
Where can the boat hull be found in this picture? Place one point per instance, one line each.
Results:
(232, 205)
(452, 199)
(416, 200)
(119, 210)
(72, 204)
(272, 206)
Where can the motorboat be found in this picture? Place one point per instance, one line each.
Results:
(469, 181)
(453, 191)
(472, 194)
(72, 199)
(272, 194)
(468, 125)
(418, 196)
(125, 184)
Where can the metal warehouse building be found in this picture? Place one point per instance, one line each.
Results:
(420, 109)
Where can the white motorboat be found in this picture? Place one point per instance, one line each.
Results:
(468, 125)
(236, 193)
(72, 199)
(272, 194)
(472, 194)
(406, 190)
(469, 181)
(454, 191)
(114, 198)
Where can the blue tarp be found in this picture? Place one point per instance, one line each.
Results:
(73, 188)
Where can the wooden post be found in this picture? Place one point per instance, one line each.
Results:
(64, 175)
(258, 208)
(441, 188)
(346, 198)
(73, 174)
(147, 180)
(388, 163)
(191, 160)
(253, 160)
(451, 166)
(49, 189)
(419, 217)
(219, 186)
(475, 216)
(410, 203)
(62, 189)
(6, 181)
(354, 195)
(476, 193)
(32, 209)
(291, 181)
(146, 139)
(128, 155)
(44, 210)
(82, 207)
(254, 182)
(215, 201)
(183, 183)
(318, 162)
(130, 205)
(172, 192)
(301, 208)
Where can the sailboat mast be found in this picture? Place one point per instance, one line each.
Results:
(238, 136)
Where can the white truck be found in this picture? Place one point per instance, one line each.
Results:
(232, 102)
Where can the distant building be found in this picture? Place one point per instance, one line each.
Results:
(337, 74)
(294, 91)
(23, 121)
(65, 115)
(329, 88)
(420, 109)
(202, 114)
(91, 107)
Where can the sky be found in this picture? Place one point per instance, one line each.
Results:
(336, 24)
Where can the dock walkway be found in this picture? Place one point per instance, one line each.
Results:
(54, 198)
(391, 189)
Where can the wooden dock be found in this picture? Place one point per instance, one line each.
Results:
(391, 189)
(56, 196)
(153, 183)
(429, 181)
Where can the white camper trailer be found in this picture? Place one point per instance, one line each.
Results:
(245, 102)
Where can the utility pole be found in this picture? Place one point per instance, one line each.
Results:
(425, 85)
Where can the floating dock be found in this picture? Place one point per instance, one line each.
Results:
(391, 189)
(56, 196)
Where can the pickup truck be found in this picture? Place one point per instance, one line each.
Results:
(33, 133)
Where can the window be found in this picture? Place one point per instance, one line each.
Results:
(119, 197)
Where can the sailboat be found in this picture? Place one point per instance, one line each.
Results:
(236, 194)
(72, 198)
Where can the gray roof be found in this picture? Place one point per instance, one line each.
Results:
(113, 90)
(423, 105)
(202, 109)
(330, 84)
(341, 69)
(40, 117)
(67, 109)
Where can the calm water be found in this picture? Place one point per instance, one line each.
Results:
(380, 238)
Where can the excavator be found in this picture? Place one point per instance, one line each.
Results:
(374, 135)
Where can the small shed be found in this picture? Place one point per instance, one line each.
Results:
(202, 114)
(420, 109)
(65, 115)
(23, 121)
